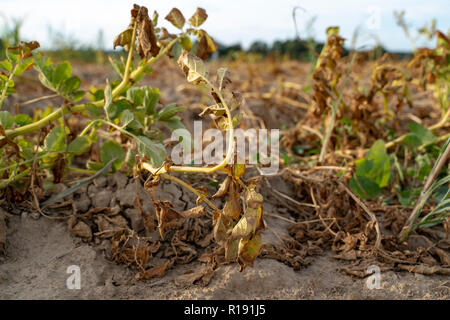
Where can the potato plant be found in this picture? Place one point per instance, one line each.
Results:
(40, 150)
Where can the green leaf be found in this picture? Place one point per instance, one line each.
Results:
(111, 150)
(6, 119)
(63, 72)
(55, 140)
(13, 55)
(130, 159)
(24, 65)
(126, 118)
(151, 98)
(419, 135)
(93, 111)
(136, 96)
(364, 187)
(154, 151)
(381, 167)
(117, 107)
(174, 123)
(71, 84)
(186, 43)
(108, 100)
(6, 65)
(118, 66)
(46, 72)
(176, 18)
(169, 111)
(77, 96)
(22, 119)
(79, 145)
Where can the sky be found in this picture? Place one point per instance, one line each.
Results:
(231, 21)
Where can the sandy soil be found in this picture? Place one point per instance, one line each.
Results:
(40, 251)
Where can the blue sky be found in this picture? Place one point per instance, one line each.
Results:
(231, 21)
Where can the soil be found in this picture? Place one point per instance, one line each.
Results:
(39, 251)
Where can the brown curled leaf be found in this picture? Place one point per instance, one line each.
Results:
(176, 18)
(198, 18)
(123, 39)
(147, 44)
(223, 189)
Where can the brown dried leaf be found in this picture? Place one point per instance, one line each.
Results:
(155, 272)
(424, 269)
(80, 228)
(123, 39)
(193, 67)
(202, 277)
(147, 218)
(205, 46)
(249, 250)
(166, 34)
(194, 212)
(4, 140)
(176, 18)
(223, 189)
(167, 217)
(147, 44)
(198, 17)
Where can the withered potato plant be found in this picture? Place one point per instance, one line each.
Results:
(37, 152)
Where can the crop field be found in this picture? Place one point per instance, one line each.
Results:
(165, 170)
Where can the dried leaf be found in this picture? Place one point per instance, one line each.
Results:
(198, 18)
(147, 218)
(424, 269)
(167, 217)
(166, 35)
(231, 249)
(223, 189)
(193, 67)
(202, 276)
(147, 44)
(123, 39)
(248, 224)
(205, 46)
(155, 272)
(249, 250)
(80, 229)
(176, 18)
(232, 208)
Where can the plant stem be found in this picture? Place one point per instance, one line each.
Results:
(221, 165)
(330, 126)
(5, 88)
(438, 125)
(443, 158)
